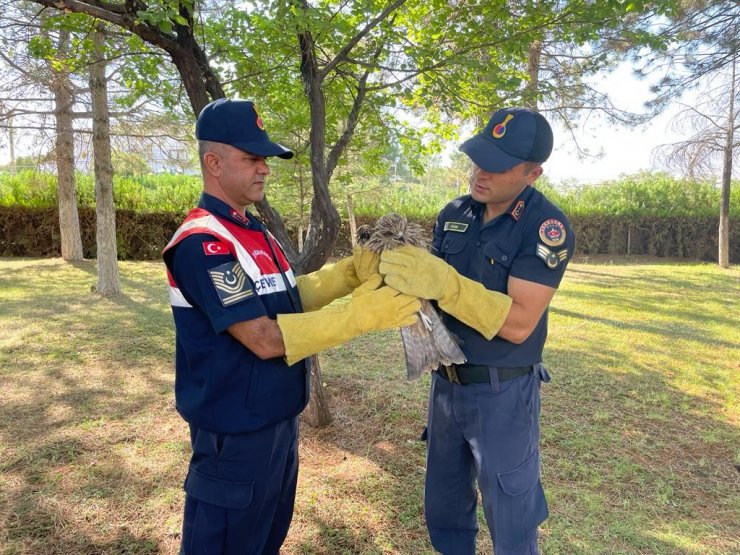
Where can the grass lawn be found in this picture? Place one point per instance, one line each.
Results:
(641, 423)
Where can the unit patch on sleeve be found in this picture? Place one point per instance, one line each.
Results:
(231, 283)
(552, 232)
(552, 259)
(456, 226)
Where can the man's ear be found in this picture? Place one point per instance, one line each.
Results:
(534, 173)
(212, 163)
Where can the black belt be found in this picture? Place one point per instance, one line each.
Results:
(464, 374)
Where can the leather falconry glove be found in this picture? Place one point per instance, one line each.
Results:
(333, 281)
(417, 272)
(371, 308)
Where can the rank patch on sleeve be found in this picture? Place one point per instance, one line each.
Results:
(231, 283)
(456, 226)
(552, 232)
(552, 259)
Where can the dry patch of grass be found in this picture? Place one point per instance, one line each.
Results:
(640, 422)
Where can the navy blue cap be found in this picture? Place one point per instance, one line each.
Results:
(237, 123)
(512, 136)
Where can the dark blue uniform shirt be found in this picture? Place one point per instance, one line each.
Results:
(220, 385)
(532, 241)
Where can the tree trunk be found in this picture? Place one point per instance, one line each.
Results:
(320, 238)
(11, 142)
(533, 69)
(301, 206)
(723, 254)
(317, 413)
(69, 222)
(352, 221)
(324, 219)
(105, 213)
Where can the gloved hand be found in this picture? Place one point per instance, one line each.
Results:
(365, 262)
(333, 281)
(372, 308)
(417, 272)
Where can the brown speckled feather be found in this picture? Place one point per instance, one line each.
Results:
(428, 343)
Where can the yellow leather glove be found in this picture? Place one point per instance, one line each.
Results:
(321, 287)
(372, 308)
(366, 263)
(333, 281)
(417, 272)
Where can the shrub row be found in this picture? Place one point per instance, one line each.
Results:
(641, 194)
(141, 236)
(677, 236)
(35, 232)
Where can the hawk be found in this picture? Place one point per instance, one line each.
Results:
(428, 343)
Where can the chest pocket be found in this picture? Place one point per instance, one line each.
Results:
(498, 263)
(452, 247)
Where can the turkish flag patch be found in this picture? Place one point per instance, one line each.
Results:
(215, 247)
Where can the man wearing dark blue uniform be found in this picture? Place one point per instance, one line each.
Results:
(500, 255)
(244, 325)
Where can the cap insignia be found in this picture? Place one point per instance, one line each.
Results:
(552, 232)
(499, 130)
(260, 123)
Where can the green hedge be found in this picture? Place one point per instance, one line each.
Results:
(141, 236)
(144, 193)
(35, 232)
(642, 194)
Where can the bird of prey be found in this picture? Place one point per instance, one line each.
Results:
(427, 343)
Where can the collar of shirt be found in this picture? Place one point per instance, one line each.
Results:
(515, 209)
(221, 209)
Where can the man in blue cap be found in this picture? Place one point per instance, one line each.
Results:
(498, 256)
(245, 324)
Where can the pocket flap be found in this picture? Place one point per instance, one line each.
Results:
(453, 243)
(222, 493)
(497, 254)
(522, 478)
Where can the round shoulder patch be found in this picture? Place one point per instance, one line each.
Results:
(552, 232)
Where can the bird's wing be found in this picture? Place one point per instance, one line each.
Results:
(419, 350)
(422, 349)
(449, 351)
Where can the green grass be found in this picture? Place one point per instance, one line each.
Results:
(640, 422)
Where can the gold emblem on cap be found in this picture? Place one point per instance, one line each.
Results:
(500, 129)
(260, 123)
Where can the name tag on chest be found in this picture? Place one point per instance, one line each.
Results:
(458, 227)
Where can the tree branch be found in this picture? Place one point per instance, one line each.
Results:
(347, 48)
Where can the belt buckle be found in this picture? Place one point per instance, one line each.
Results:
(452, 374)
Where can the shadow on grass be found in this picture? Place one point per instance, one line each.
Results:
(87, 384)
(632, 463)
(32, 528)
(667, 332)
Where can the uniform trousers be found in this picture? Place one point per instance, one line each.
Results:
(240, 491)
(485, 433)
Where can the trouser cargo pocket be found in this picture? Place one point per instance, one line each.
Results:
(521, 503)
(222, 493)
